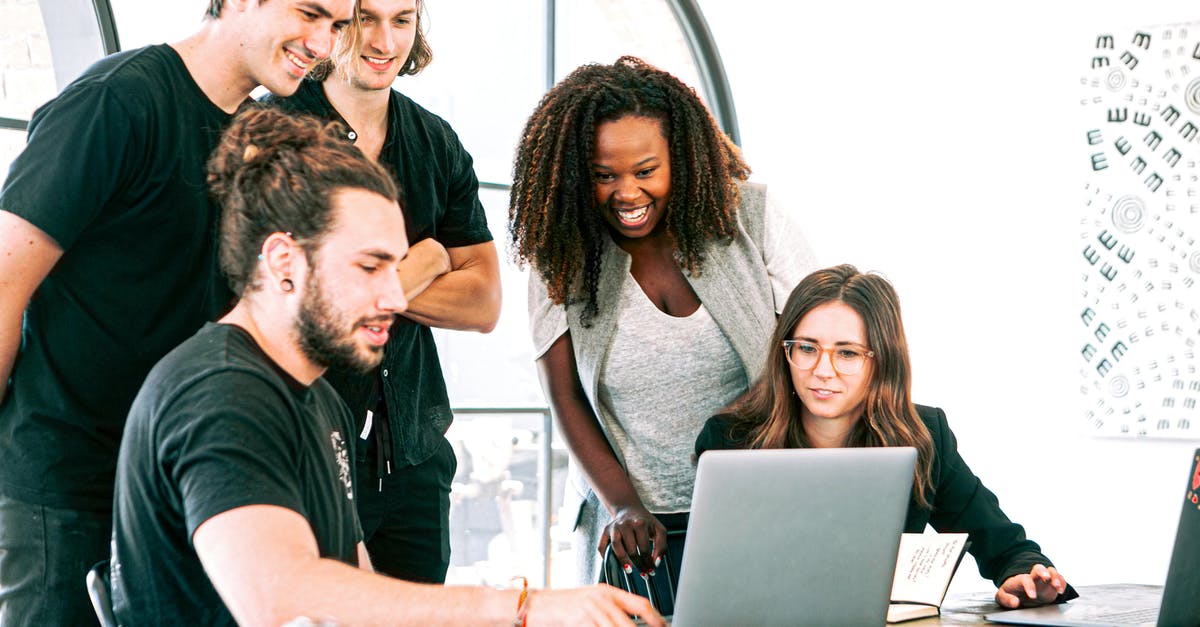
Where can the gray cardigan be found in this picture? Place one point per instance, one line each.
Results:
(735, 286)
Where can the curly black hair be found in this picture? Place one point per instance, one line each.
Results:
(554, 224)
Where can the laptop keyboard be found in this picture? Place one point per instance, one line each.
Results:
(1134, 616)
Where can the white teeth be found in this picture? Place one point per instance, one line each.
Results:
(295, 59)
(375, 329)
(377, 61)
(633, 215)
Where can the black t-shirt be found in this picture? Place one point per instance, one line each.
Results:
(114, 171)
(441, 200)
(219, 426)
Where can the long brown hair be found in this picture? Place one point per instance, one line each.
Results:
(554, 224)
(768, 415)
(348, 45)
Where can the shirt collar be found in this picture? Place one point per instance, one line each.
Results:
(312, 94)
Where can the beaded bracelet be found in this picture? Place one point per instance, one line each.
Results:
(522, 602)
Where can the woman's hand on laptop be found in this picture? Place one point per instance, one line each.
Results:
(631, 533)
(1040, 586)
(594, 605)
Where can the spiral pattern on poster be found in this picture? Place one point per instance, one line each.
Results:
(1194, 262)
(1191, 96)
(1115, 81)
(1128, 214)
(1118, 386)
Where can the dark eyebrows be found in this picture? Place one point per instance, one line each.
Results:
(639, 164)
(813, 340)
(375, 16)
(321, 10)
(381, 255)
(317, 8)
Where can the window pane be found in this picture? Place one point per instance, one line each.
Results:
(600, 31)
(496, 505)
(144, 22)
(26, 69)
(486, 77)
(490, 523)
(11, 144)
(495, 369)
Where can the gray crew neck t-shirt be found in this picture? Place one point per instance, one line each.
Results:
(654, 402)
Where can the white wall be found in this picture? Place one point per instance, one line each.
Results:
(935, 142)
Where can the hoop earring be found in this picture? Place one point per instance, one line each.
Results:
(287, 286)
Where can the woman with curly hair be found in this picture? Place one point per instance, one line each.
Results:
(837, 374)
(657, 272)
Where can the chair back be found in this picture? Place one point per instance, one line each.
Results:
(662, 586)
(99, 589)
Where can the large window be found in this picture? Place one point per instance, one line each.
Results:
(600, 31)
(492, 63)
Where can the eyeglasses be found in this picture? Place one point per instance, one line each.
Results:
(846, 359)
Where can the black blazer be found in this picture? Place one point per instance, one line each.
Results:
(961, 503)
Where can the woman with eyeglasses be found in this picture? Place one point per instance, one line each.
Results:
(838, 375)
(657, 270)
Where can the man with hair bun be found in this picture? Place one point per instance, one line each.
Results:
(234, 496)
(107, 261)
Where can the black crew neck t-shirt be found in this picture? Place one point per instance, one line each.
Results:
(114, 171)
(218, 426)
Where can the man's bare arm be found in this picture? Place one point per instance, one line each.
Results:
(466, 298)
(263, 561)
(26, 256)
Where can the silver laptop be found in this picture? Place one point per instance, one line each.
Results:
(793, 537)
(1179, 605)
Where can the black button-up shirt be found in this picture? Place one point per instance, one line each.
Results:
(441, 200)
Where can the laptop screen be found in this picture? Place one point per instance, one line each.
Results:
(1181, 595)
(794, 537)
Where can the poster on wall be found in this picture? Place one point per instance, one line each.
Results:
(1139, 316)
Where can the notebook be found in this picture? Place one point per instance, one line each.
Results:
(1180, 602)
(793, 537)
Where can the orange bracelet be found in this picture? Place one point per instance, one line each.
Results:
(522, 602)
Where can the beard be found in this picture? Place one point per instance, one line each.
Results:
(327, 338)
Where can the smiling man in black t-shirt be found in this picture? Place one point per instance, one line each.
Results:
(107, 261)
